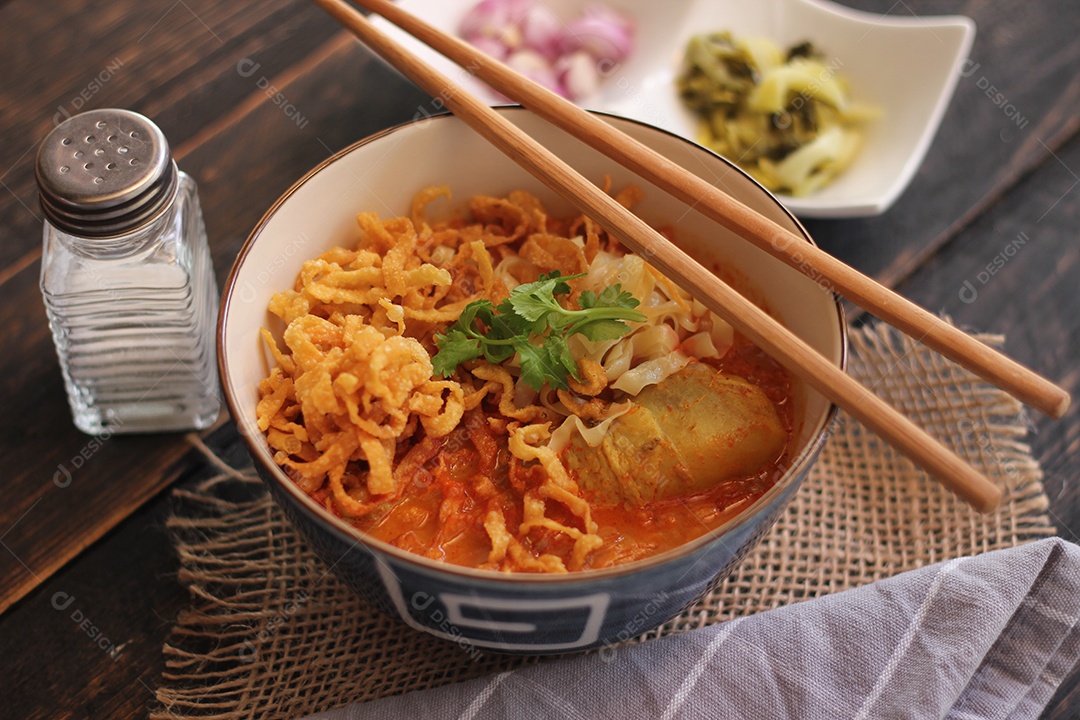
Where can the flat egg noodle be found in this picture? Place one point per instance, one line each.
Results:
(351, 408)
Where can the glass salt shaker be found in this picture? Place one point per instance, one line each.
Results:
(126, 276)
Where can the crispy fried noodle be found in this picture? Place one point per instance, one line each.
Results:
(465, 468)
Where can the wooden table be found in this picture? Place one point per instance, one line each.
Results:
(253, 94)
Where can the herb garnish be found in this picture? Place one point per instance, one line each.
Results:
(533, 324)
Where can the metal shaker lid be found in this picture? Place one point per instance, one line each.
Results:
(104, 173)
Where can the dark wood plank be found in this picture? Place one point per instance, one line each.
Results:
(191, 83)
(126, 584)
(49, 519)
(64, 489)
(985, 144)
(105, 619)
(1014, 271)
(1065, 705)
(244, 150)
(175, 62)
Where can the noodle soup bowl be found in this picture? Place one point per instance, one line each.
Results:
(484, 610)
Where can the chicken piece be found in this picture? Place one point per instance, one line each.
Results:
(684, 435)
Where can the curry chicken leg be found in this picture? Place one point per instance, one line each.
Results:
(695, 429)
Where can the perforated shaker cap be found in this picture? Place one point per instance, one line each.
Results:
(105, 173)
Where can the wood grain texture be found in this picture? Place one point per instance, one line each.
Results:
(984, 181)
(45, 525)
(979, 151)
(62, 488)
(1014, 271)
(50, 525)
(175, 62)
(104, 618)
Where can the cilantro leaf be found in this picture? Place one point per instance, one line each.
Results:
(455, 347)
(532, 323)
(596, 330)
(514, 325)
(615, 296)
(534, 301)
(496, 354)
(481, 308)
(536, 367)
(560, 357)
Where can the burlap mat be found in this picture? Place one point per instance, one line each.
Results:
(271, 633)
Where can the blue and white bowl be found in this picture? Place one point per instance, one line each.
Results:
(514, 613)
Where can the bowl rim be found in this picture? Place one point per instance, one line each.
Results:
(346, 532)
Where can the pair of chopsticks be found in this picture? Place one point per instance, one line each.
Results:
(776, 340)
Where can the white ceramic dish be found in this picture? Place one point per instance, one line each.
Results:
(906, 66)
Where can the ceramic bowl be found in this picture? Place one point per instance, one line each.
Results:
(905, 66)
(516, 613)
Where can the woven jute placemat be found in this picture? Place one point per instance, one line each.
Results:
(271, 633)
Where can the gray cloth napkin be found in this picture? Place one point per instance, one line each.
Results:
(990, 636)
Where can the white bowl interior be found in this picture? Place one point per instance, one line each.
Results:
(906, 66)
(383, 174)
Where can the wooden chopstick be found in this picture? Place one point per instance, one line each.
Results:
(778, 341)
(984, 361)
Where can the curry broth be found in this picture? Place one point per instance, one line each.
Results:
(456, 467)
(441, 514)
